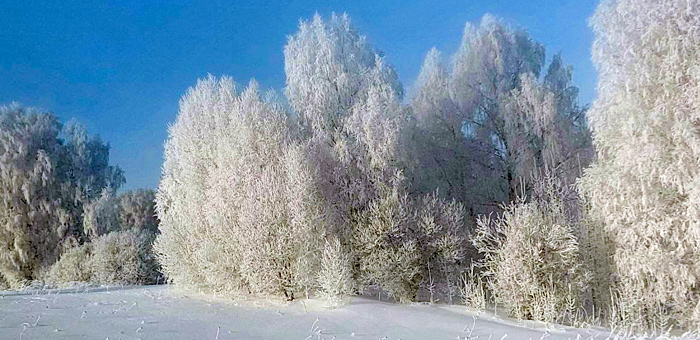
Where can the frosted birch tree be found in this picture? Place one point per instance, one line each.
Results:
(347, 99)
(263, 225)
(44, 182)
(644, 184)
(488, 121)
(33, 221)
(182, 189)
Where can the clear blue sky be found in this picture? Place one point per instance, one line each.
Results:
(120, 67)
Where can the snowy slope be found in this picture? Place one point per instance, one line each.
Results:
(159, 312)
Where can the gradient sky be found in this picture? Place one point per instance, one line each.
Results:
(120, 67)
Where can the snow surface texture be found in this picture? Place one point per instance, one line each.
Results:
(160, 312)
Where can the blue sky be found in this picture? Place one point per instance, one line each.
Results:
(120, 67)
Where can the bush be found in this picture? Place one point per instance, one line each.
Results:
(124, 257)
(385, 246)
(403, 244)
(119, 248)
(531, 263)
(119, 257)
(74, 265)
(120, 241)
(263, 224)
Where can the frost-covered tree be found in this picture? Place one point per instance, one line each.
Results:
(44, 182)
(327, 63)
(484, 123)
(87, 172)
(442, 154)
(89, 163)
(540, 132)
(101, 216)
(263, 227)
(405, 243)
(32, 218)
(182, 189)
(137, 210)
(187, 157)
(347, 99)
(644, 185)
(265, 199)
(486, 68)
(532, 263)
(335, 276)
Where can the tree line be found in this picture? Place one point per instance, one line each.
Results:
(486, 182)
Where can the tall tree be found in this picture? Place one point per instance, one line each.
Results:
(443, 157)
(327, 64)
(43, 189)
(485, 123)
(644, 184)
(183, 186)
(347, 99)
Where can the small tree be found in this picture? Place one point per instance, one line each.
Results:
(124, 257)
(532, 263)
(185, 229)
(401, 243)
(335, 277)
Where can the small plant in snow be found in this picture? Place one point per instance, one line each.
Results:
(335, 276)
(473, 290)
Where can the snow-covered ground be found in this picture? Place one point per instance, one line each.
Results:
(160, 312)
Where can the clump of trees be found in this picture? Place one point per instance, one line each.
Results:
(48, 174)
(119, 234)
(57, 193)
(532, 258)
(340, 185)
(291, 188)
(467, 186)
(470, 186)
